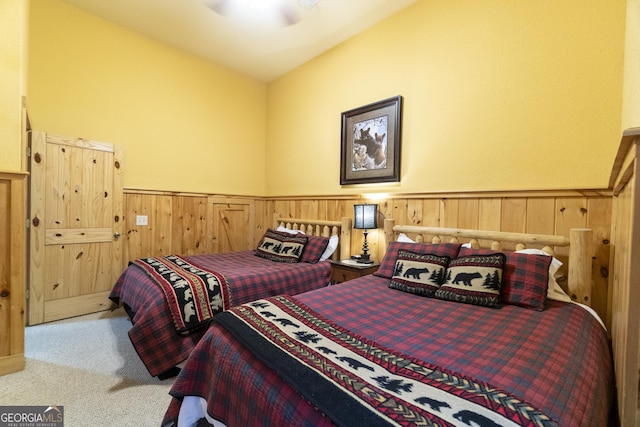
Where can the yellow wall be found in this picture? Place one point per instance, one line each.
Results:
(498, 95)
(185, 124)
(12, 16)
(631, 105)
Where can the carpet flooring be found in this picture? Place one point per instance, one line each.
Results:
(87, 365)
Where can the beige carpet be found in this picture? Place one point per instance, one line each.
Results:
(87, 365)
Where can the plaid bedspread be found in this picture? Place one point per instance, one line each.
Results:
(354, 381)
(557, 361)
(249, 277)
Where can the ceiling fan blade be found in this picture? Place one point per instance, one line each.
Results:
(289, 15)
(221, 7)
(285, 14)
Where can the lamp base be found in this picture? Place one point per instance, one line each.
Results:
(362, 259)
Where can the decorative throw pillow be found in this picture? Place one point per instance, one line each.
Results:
(314, 249)
(525, 278)
(418, 274)
(281, 247)
(474, 279)
(554, 290)
(389, 261)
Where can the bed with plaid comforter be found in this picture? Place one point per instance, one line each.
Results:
(556, 361)
(248, 277)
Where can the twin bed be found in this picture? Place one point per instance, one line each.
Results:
(442, 334)
(164, 338)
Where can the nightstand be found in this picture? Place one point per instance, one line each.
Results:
(343, 271)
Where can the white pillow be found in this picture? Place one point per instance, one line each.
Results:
(288, 230)
(554, 291)
(404, 238)
(331, 247)
(329, 250)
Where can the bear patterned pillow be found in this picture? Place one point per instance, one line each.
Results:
(474, 279)
(420, 274)
(281, 247)
(391, 255)
(315, 247)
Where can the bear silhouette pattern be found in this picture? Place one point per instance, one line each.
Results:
(435, 405)
(415, 272)
(473, 418)
(466, 278)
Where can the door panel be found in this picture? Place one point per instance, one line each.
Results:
(233, 224)
(232, 227)
(76, 219)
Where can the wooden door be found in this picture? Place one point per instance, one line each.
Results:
(233, 224)
(76, 214)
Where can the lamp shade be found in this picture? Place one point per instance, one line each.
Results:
(365, 216)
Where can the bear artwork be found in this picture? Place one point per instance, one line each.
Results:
(370, 151)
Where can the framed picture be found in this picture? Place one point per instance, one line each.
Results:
(370, 143)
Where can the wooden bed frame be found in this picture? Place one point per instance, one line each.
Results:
(624, 290)
(322, 228)
(623, 314)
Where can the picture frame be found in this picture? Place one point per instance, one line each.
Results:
(370, 143)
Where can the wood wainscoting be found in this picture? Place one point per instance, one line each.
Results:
(13, 269)
(191, 224)
(538, 212)
(204, 223)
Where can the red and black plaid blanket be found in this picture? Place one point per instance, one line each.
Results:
(557, 360)
(193, 295)
(355, 381)
(248, 277)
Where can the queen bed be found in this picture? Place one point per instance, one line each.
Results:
(423, 341)
(152, 290)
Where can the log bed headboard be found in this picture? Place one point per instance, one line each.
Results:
(580, 242)
(319, 227)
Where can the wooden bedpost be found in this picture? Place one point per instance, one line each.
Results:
(345, 238)
(581, 257)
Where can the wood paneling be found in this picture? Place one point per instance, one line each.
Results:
(176, 224)
(12, 271)
(190, 224)
(624, 295)
(521, 212)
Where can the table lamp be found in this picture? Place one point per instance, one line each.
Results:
(365, 218)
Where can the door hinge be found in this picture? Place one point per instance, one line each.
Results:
(28, 151)
(27, 293)
(28, 223)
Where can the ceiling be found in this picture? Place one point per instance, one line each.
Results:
(259, 44)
